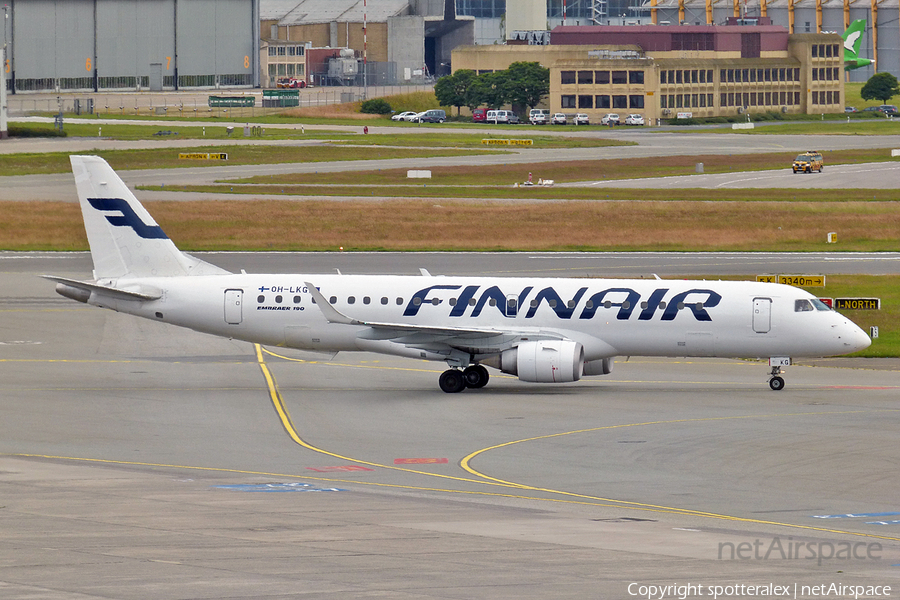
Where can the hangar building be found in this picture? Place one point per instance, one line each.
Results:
(95, 45)
(399, 41)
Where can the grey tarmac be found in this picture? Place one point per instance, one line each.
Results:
(130, 452)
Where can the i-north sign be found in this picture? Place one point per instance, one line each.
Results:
(857, 303)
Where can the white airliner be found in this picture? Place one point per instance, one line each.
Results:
(542, 330)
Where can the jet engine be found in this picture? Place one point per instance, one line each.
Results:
(604, 366)
(550, 361)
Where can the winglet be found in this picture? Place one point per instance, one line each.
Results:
(332, 314)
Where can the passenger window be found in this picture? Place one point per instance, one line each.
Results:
(332, 300)
(351, 300)
(384, 300)
(366, 300)
(260, 299)
(296, 299)
(802, 305)
(399, 301)
(278, 299)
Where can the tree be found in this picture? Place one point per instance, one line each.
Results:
(880, 86)
(453, 89)
(527, 83)
(488, 89)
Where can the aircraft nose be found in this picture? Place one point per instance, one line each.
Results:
(855, 338)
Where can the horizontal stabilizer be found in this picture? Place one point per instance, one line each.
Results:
(143, 293)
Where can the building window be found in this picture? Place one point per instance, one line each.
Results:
(586, 77)
(702, 75)
(636, 77)
(620, 101)
(815, 74)
(679, 76)
(601, 101)
(281, 51)
(636, 101)
(662, 77)
(567, 101)
(601, 77)
(619, 77)
(272, 51)
(679, 101)
(723, 99)
(585, 101)
(709, 77)
(709, 99)
(662, 101)
(815, 97)
(566, 77)
(815, 51)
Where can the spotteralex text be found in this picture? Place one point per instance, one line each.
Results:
(772, 590)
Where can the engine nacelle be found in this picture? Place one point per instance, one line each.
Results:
(604, 366)
(551, 361)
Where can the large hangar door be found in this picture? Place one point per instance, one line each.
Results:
(215, 42)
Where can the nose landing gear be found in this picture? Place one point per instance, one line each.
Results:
(776, 382)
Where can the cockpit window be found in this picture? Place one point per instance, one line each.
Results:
(820, 305)
(803, 305)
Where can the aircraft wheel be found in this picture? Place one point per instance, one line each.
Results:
(776, 383)
(476, 376)
(452, 381)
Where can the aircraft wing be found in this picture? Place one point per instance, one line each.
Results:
(477, 340)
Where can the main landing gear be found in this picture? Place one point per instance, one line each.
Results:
(454, 380)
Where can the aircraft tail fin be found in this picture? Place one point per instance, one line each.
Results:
(853, 39)
(125, 240)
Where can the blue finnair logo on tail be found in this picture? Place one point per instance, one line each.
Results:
(127, 218)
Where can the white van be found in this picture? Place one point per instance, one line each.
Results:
(539, 116)
(501, 116)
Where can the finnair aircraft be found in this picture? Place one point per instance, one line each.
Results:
(541, 330)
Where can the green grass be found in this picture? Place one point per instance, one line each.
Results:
(167, 158)
(886, 287)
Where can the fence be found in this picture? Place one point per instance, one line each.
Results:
(191, 104)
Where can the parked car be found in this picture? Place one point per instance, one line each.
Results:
(808, 162)
(479, 115)
(634, 120)
(850, 109)
(888, 109)
(404, 116)
(539, 116)
(610, 118)
(582, 119)
(506, 117)
(558, 119)
(435, 115)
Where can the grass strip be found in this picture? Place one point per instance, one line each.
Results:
(576, 170)
(167, 158)
(423, 225)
